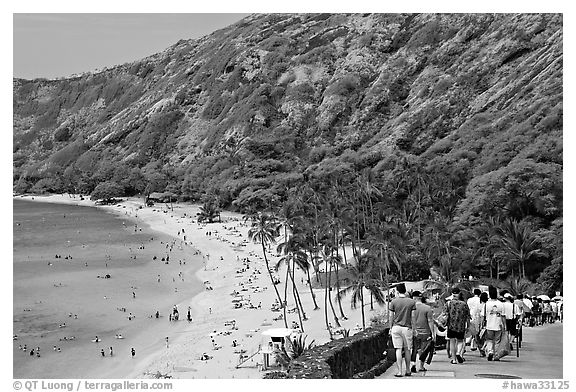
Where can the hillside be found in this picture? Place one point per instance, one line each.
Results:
(275, 101)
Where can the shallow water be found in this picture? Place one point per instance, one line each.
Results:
(48, 289)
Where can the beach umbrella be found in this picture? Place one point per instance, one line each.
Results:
(544, 297)
(558, 297)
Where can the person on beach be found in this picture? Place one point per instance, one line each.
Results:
(402, 313)
(133, 352)
(102, 352)
(458, 322)
(167, 346)
(111, 351)
(425, 336)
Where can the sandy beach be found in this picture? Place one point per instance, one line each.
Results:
(222, 249)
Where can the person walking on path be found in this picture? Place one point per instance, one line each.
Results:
(554, 315)
(402, 314)
(510, 314)
(519, 308)
(458, 322)
(528, 311)
(546, 312)
(474, 306)
(537, 311)
(424, 338)
(482, 326)
(493, 313)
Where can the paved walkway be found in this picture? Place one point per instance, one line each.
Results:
(540, 358)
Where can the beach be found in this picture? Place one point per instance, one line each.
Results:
(223, 269)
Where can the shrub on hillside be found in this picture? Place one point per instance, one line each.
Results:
(62, 134)
(107, 191)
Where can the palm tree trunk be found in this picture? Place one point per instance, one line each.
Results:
(328, 284)
(387, 290)
(297, 301)
(344, 250)
(311, 291)
(354, 249)
(270, 274)
(326, 301)
(338, 290)
(362, 304)
(371, 301)
(312, 261)
(295, 291)
(286, 294)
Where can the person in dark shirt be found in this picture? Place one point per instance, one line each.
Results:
(458, 321)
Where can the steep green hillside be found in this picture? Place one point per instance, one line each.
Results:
(276, 101)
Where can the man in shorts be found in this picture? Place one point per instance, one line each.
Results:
(458, 323)
(402, 313)
(493, 313)
(425, 335)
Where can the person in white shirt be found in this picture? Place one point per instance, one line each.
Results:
(554, 307)
(509, 313)
(474, 305)
(528, 316)
(495, 321)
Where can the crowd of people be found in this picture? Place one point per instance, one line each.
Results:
(486, 322)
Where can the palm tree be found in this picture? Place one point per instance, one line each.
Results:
(291, 253)
(326, 255)
(301, 261)
(518, 285)
(518, 243)
(209, 210)
(264, 230)
(385, 244)
(333, 218)
(360, 275)
(445, 276)
(290, 216)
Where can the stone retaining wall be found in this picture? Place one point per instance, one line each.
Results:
(363, 355)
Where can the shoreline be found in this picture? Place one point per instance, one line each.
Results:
(224, 253)
(142, 332)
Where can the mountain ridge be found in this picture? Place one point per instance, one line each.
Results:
(275, 98)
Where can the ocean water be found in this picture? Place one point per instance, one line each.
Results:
(61, 255)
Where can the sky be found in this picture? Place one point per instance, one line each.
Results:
(59, 45)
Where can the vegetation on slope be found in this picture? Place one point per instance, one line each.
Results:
(455, 119)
